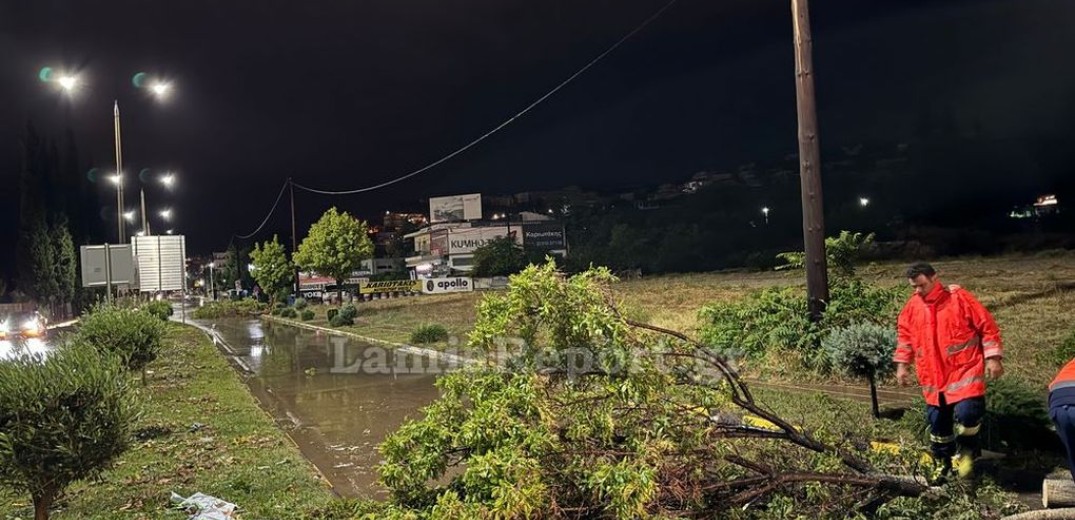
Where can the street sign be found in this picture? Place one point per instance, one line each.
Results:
(162, 261)
(106, 265)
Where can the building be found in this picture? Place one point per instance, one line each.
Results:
(447, 248)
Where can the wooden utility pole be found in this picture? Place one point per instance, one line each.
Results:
(294, 235)
(817, 279)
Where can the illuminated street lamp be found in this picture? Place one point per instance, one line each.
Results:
(212, 282)
(129, 215)
(68, 83)
(168, 180)
(863, 201)
(765, 211)
(166, 214)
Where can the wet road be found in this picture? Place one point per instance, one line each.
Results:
(337, 397)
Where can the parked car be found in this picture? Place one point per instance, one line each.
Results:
(23, 324)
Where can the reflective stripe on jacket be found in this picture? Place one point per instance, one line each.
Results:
(948, 340)
(1065, 378)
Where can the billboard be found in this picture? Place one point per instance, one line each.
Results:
(162, 261)
(384, 286)
(98, 271)
(455, 208)
(447, 285)
(466, 240)
(544, 236)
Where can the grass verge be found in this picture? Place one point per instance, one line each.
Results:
(201, 430)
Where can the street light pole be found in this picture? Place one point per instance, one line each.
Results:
(212, 282)
(817, 281)
(119, 176)
(145, 224)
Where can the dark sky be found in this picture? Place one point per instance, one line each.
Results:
(343, 94)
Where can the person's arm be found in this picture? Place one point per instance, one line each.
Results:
(904, 354)
(987, 328)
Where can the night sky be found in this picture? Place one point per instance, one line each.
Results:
(344, 94)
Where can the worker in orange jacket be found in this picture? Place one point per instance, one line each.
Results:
(954, 344)
(1062, 409)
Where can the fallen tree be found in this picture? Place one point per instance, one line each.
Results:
(584, 413)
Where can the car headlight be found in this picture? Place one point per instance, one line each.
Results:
(4, 327)
(31, 325)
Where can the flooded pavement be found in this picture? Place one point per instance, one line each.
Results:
(337, 397)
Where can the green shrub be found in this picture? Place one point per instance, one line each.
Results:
(340, 320)
(1064, 352)
(229, 309)
(349, 312)
(429, 334)
(1016, 417)
(288, 313)
(63, 418)
(861, 350)
(307, 314)
(135, 336)
(160, 308)
(842, 252)
(775, 319)
(331, 313)
(300, 304)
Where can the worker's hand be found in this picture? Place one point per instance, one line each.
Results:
(903, 375)
(994, 368)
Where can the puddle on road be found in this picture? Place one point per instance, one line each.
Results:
(337, 396)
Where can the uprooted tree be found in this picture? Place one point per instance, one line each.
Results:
(577, 412)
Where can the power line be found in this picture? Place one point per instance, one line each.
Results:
(271, 211)
(512, 119)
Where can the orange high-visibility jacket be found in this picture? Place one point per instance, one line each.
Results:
(1065, 378)
(948, 335)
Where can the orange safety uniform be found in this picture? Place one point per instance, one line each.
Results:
(948, 335)
(1065, 378)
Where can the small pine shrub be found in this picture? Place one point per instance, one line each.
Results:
(288, 313)
(332, 314)
(861, 350)
(429, 334)
(307, 315)
(160, 308)
(301, 304)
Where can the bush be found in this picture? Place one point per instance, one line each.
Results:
(331, 313)
(349, 312)
(288, 313)
(300, 304)
(340, 320)
(1065, 351)
(160, 308)
(775, 319)
(429, 334)
(229, 309)
(63, 418)
(135, 336)
(1015, 418)
(307, 314)
(861, 350)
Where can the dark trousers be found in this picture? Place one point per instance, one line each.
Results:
(1064, 418)
(943, 419)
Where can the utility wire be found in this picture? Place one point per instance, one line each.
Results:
(496, 129)
(271, 211)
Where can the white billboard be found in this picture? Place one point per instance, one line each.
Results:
(162, 262)
(466, 240)
(455, 208)
(447, 285)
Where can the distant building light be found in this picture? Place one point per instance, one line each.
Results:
(1047, 200)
